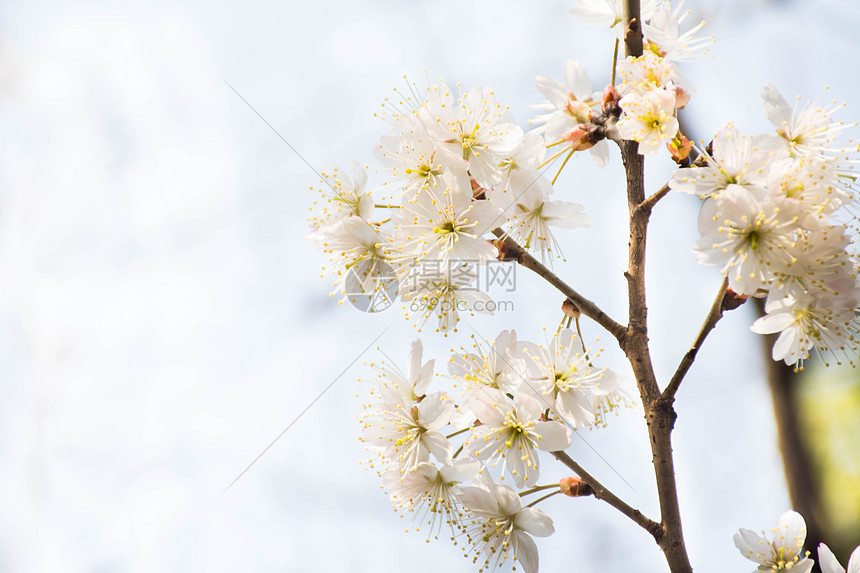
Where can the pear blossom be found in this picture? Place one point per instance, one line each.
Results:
(430, 490)
(568, 105)
(527, 156)
(492, 364)
(444, 224)
(580, 393)
(342, 198)
(473, 126)
(784, 553)
(512, 431)
(412, 385)
(531, 214)
(811, 182)
(501, 528)
(609, 13)
(405, 433)
(807, 132)
(648, 118)
(358, 250)
(818, 262)
(665, 38)
(806, 321)
(415, 161)
(647, 72)
(749, 239)
(737, 159)
(829, 564)
(443, 291)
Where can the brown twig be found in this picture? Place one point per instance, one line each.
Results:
(659, 414)
(587, 307)
(602, 493)
(711, 320)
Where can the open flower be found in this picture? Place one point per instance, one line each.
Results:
(342, 197)
(405, 433)
(512, 431)
(430, 491)
(648, 118)
(784, 553)
(493, 364)
(444, 291)
(444, 224)
(531, 214)
(750, 239)
(829, 563)
(737, 159)
(580, 393)
(474, 127)
(502, 528)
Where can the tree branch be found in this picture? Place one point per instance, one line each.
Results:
(711, 320)
(659, 414)
(602, 493)
(587, 307)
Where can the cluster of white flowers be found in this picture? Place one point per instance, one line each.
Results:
(771, 220)
(785, 551)
(642, 106)
(455, 168)
(514, 399)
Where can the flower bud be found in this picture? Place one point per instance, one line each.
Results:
(580, 137)
(610, 97)
(682, 97)
(505, 252)
(570, 309)
(574, 487)
(680, 148)
(732, 300)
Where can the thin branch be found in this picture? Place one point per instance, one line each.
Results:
(652, 200)
(711, 320)
(587, 307)
(602, 493)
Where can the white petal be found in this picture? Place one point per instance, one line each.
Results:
(526, 552)
(854, 561)
(772, 323)
(576, 80)
(565, 215)
(828, 561)
(555, 436)
(535, 522)
(776, 108)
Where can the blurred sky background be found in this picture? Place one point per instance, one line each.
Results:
(163, 319)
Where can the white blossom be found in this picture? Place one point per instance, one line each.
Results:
(501, 528)
(444, 291)
(493, 364)
(784, 553)
(580, 393)
(531, 214)
(737, 159)
(749, 239)
(430, 491)
(342, 197)
(405, 433)
(829, 564)
(806, 321)
(473, 126)
(648, 118)
(512, 431)
(444, 224)
(567, 105)
(807, 132)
